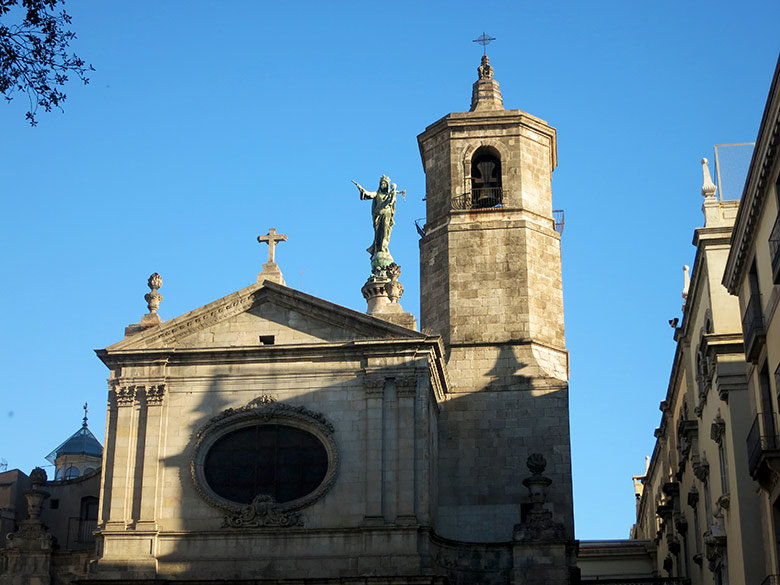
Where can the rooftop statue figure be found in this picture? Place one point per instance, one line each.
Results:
(383, 214)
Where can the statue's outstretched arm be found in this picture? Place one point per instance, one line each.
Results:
(363, 193)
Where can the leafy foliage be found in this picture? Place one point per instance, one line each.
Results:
(34, 56)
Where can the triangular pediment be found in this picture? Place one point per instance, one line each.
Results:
(264, 313)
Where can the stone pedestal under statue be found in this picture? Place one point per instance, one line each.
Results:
(382, 293)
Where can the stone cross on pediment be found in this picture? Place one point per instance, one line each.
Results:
(270, 269)
(272, 238)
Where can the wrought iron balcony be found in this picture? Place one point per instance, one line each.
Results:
(81, 533)
(774, 250)
(480, 198)
(762, 445)
(753, 330)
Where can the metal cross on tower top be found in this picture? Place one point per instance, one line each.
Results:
(484, 39)
(86, 410)
(272, 238)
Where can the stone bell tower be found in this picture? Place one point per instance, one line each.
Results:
(490, 265)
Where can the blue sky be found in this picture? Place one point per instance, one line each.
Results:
(207, 123)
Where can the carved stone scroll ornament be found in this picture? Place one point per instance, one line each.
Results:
(262, 512)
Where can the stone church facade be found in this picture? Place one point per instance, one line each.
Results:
(273, 436)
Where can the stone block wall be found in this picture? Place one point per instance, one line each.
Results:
(381, 405)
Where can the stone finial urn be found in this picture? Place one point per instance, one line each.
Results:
(538, 524)
(36, 496)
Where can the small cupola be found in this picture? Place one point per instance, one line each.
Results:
(79, 454)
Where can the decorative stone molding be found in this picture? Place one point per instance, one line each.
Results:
(693, 498)
(686, 436)
(406, 385)
(664, 512)
(374, 385)
(680, 523)
(668, 564)
(264, 511)
(674, 544)
(671, 490)
(715, 548)
(724, 501)
(718, 429)
(701, 469)
(155, 394)
(125, 395)
(264, 410)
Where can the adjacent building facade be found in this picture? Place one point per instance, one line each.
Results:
(696, 501)
(752, 274)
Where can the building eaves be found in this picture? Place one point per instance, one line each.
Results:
(755, 191)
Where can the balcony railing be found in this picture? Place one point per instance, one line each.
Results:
(771, 580)
(86, 531)
(762, 441)
(480, 198)
(774, 250)
(80, 533)
(753, 328)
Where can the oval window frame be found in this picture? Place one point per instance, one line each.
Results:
(263, 410)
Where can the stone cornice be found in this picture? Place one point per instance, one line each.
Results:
(702, 239)
(756, 186)
(429, 349)
(292, 352)
(496, 118)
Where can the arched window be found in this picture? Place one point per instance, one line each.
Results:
(88, 470)
(71, 472)
(58, 474)
(486, 178)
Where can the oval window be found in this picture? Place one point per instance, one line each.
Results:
(284, 462)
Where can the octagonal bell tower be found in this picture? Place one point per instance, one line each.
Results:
(491, 287)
